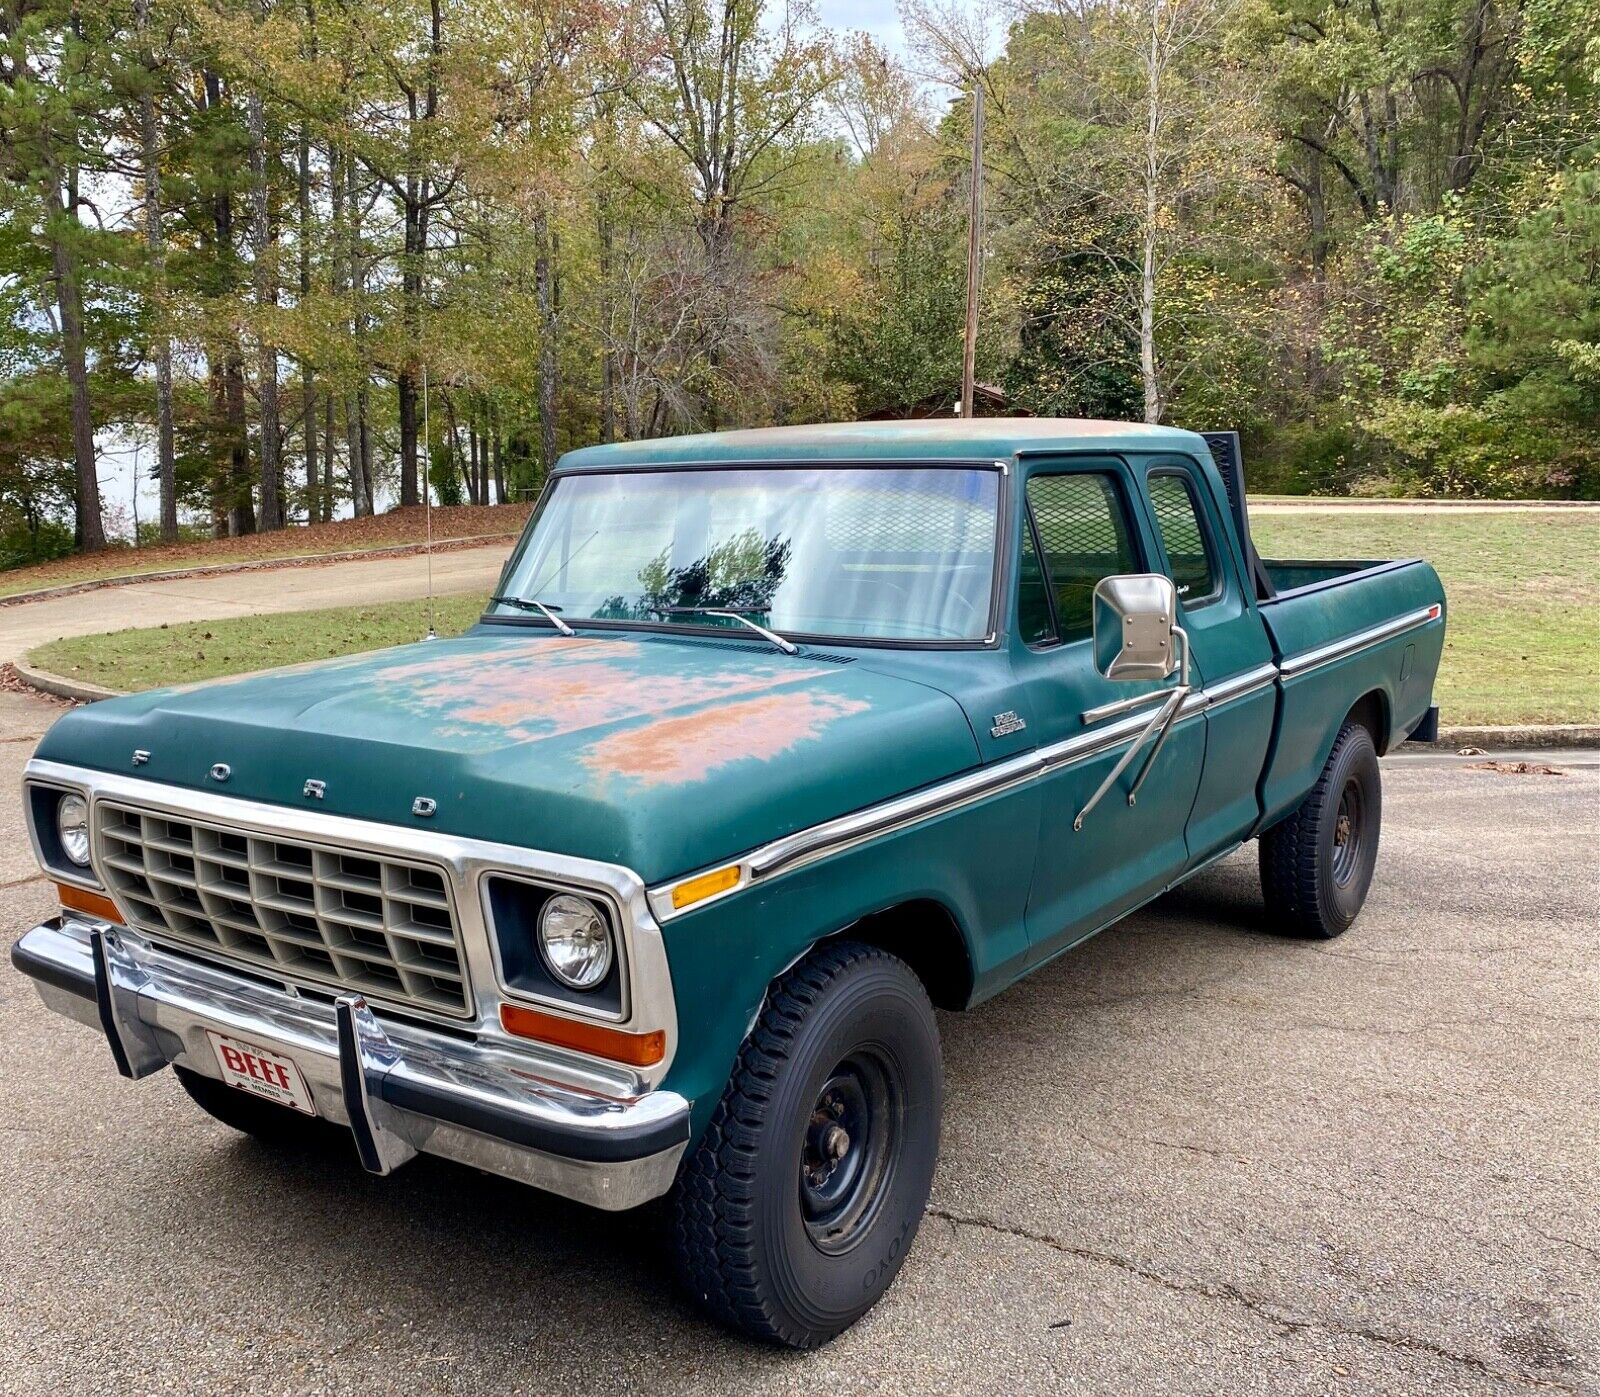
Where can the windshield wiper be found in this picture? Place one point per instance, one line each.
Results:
(787, 646)
(528, 604)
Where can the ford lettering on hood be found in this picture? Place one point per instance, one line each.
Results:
(657, 752)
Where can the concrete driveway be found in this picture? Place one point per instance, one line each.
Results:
(252, 593)
(1189, 1157)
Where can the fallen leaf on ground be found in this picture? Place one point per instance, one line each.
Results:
(1517, 768)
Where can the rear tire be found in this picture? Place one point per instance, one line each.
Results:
(1317, 864)
(277, 1126)
(794, 1212)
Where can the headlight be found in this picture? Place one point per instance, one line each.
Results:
(72, 826)
(575, 941)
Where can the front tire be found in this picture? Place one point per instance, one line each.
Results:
(277, 1126)
(793, 1214)
(1317, 864)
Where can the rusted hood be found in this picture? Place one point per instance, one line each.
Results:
(655, 752)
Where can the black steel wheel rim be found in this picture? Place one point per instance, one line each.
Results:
(847, 1156)
(1349, 833)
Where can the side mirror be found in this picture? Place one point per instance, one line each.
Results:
(1135, 631)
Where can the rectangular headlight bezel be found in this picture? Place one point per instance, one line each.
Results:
(512, 903)
(40, 800)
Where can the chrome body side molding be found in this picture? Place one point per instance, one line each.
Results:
(835, 836)
(1339, 649)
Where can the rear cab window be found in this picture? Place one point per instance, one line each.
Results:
(1191, 558)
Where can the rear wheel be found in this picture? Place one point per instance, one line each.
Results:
(795, 1211)
(274, 1125)
(1317, 864)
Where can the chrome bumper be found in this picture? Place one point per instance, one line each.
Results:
(400, 1088)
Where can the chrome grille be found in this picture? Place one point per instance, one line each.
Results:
(358, 921)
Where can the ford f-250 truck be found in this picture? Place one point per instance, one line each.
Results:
(769, 742)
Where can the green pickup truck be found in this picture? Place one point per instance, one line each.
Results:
(768, 743)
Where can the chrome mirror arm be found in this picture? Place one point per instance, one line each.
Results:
(1160, 724)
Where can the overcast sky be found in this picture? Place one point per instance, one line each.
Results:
(878, 17)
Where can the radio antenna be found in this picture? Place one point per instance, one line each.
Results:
(427, 500)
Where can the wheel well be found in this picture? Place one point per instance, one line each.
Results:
(1371, 710)
(925, 935)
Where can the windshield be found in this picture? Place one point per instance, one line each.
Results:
(868, 553)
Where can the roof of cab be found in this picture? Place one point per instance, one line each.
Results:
(925, 439)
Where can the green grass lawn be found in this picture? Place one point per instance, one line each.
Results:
(198, 650)
(1523, 644)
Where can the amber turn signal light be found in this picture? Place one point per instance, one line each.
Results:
(693, 890)
(634, 1049)
(96, 905)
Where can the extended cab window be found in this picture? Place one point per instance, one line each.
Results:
(1178, 518)
(1083, 531)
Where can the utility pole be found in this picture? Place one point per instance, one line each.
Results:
(974, 270)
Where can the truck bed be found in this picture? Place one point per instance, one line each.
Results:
(1343, 633)
(1294, 575)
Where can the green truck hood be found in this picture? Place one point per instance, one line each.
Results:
(659, 753)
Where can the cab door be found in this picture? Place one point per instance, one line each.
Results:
(1080, 522)
(1227, 639)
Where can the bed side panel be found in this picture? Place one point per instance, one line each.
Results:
(1315, 699)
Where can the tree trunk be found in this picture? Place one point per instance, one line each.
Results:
(352, 448)
(455, 445)
(271, 514)
(217, 386)
(308, 387)
(340, 239)
(363, 405)
(69, 307)
(543, 275)
(608, 363)
(323, 504)
(1149, 233)
(232, 501)
(155, 243)
(308, 390)
(356, 418)
(241, 508)
(406, 377)
(499, 468)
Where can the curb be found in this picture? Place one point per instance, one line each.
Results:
(58, 687)
(1505, 738)
(1521, 735)
(293, 560)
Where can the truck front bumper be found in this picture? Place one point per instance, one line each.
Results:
(400, 1088)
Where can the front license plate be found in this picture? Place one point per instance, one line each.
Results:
(261, 1072)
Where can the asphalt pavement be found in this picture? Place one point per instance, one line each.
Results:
(1191, 1156)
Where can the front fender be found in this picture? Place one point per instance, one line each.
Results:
(976, 862)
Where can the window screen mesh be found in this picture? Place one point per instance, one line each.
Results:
(903, 521)
(1084, 534)
(1181, 536)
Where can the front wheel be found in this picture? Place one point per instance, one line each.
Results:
(795, 1211)
(1316, 865)
(273, 1125)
